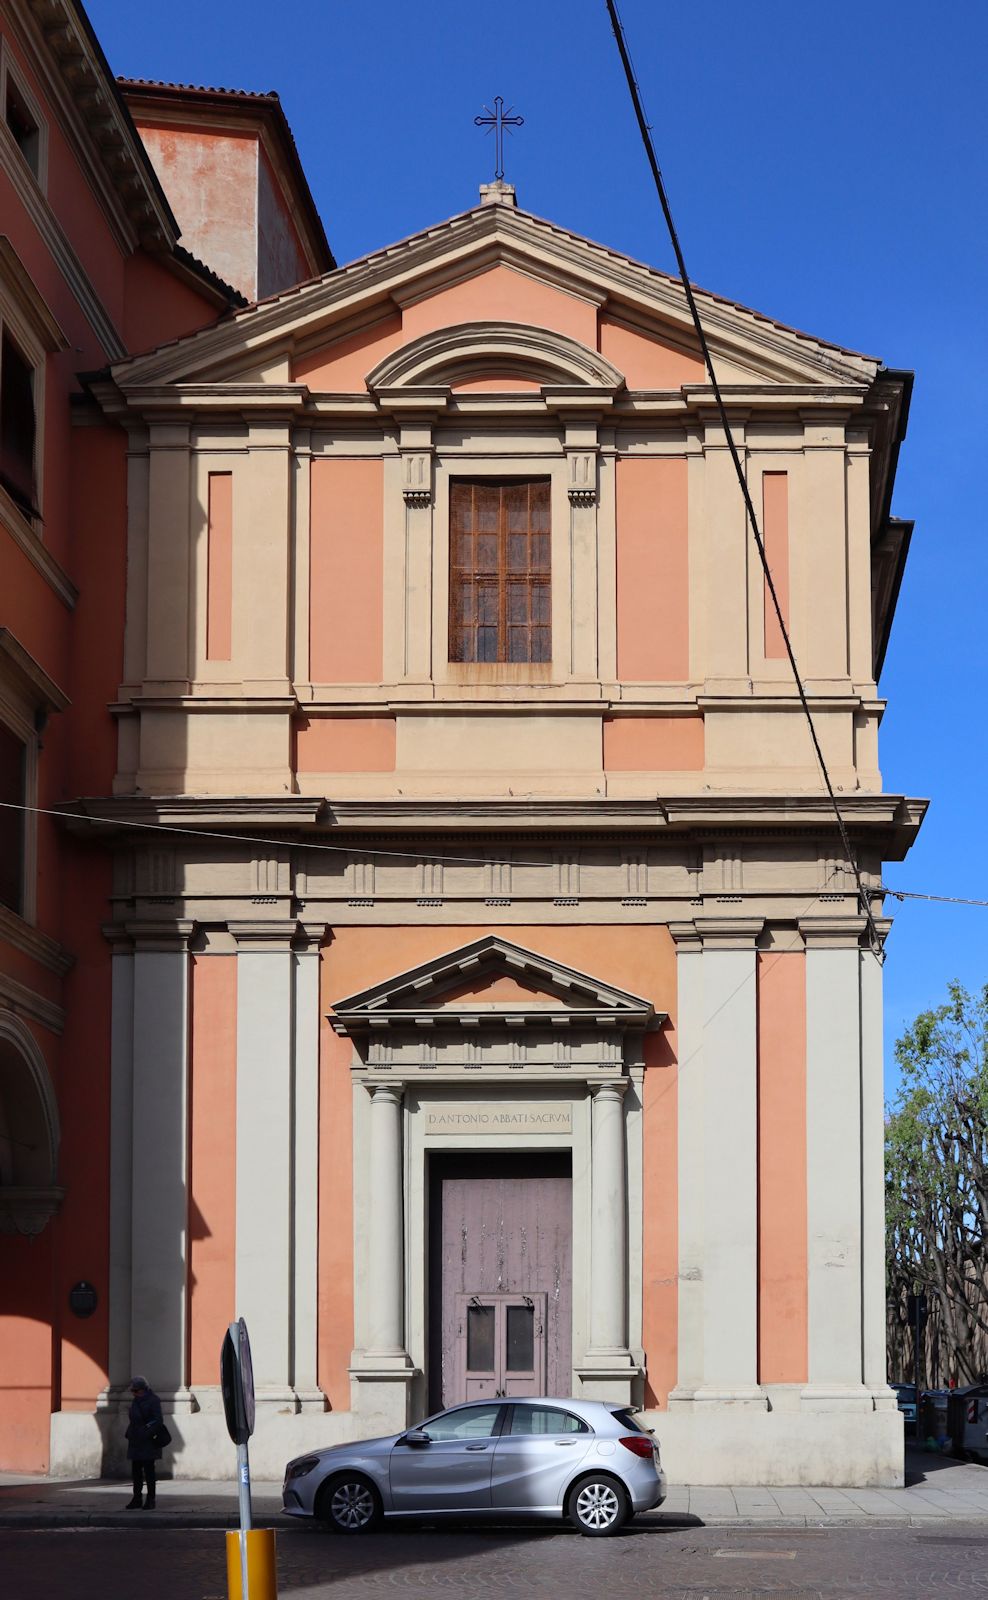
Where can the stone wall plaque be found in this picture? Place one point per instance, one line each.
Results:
(498, 1117)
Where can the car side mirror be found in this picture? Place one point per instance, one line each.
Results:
(417, 1436)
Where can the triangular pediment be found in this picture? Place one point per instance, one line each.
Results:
(370, 309)
(491, 981)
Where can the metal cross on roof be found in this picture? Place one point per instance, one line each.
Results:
(500, 122)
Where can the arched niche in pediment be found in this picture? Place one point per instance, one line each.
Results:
(448, 357)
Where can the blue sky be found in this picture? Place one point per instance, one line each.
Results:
(825, 165)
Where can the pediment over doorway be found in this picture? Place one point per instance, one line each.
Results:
(494, 983)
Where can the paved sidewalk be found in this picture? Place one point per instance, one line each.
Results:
(939, 1490)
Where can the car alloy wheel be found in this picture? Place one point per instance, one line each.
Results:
(351, 1505)
(598, 1506)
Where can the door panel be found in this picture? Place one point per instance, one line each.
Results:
(500, 1225)
(453, 1471)
(500, 1346)
(535, 1457)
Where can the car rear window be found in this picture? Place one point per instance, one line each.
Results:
(627, 1420)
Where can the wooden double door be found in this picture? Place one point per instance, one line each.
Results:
(500, 1275)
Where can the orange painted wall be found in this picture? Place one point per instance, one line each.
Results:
(775, 522)
(212, 1160)
(346, 567)
(652, 569)
(83, 1088)
(343, 366)
(641, 959)
(653, 744)
(345, 744)
(158, 306)
(26, 1345)
(501, 295)
(646, 362)
(782, 1245)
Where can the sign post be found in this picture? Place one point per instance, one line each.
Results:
(237, 1383)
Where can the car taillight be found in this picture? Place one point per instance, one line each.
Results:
(639, 1444)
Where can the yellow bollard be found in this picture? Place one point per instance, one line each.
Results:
(262, 1572)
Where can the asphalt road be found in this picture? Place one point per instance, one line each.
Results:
(648, 1562)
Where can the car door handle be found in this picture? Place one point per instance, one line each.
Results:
(565, 1444)
(476, 1447)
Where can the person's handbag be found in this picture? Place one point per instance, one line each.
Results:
(158, 1434)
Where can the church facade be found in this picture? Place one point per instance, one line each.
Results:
(456, 972)
(500, 1015)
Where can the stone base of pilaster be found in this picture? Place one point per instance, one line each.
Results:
(836, 1397)
(739, 1397)
(608, 1375)
(380, 1383)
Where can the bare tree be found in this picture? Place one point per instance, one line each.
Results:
(936, 1190)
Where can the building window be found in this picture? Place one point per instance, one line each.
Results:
(499, 571)
(21, 121)
(13, 792)
(23, 126)
(17, 426)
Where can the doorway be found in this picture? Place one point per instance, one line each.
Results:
(500, 1275)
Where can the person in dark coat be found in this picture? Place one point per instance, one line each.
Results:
(145, 1413)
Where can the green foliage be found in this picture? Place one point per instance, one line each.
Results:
(936, 1179)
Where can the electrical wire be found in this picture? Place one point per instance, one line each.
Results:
(646, 133)
(943, 899)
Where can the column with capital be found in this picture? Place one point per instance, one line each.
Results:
(607, 1368)
(385, 1312)
(381, 1369)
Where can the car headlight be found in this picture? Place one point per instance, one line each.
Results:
(299, 1468)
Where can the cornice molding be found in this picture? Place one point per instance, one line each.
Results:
(95, 122)
(32, 302)
(56, 242)
(41, 688)
(481, 238)
(32, 942)
(22, 1000)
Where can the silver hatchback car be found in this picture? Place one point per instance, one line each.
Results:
(583, 1459)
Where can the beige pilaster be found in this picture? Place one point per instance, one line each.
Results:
(834, 1161)
(818, 525)
(136, 620)
(264, 1242)
(581, 488)
(261, 559)
(414, 626)
(725, 563)
(159, 1146)
(301, 542)
(858, 468)
(873, 1174)
(721, 1208)
(607, 557)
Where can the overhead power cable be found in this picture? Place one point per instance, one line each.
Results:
(646, 133)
